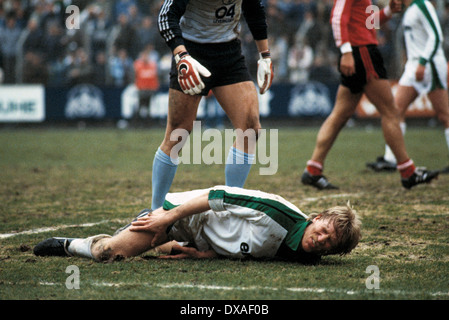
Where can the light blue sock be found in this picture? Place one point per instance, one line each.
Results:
(164, 170)
(238, 165)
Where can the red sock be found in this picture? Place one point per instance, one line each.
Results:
(406, 168)
(314, 168)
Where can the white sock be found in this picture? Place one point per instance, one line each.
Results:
(82, 247)
(389, 155)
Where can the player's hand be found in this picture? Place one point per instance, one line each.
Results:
(419, 74)
(347, 64)
(264, 72)
(180, 252)
(189, 73)
(156, 222)
(395, 6)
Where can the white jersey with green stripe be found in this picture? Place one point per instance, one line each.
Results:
(240, 223)
(422, 31)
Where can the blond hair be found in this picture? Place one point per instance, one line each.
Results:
(347, 225)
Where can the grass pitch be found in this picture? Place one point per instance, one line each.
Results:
(76, 183)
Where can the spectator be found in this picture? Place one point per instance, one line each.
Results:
(99, 69)
(300, 59)
(34, 39)
(148, 33)
(275, 19)
(324, 69)
(57, 71)
(146, 80)
(127, 37)
(121, 68)
(101, 28)
(309, 30)
(122, 7)
(19, 10)
(54, 44)
(9, 37)
(35, 70)
(134, 16)
(81, 70)
(279, 53)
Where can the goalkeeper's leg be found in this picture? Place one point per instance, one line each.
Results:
(182, 111)
(240, 103)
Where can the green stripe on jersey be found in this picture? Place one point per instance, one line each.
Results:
(292, 221)
(168, 205)
(422, 6)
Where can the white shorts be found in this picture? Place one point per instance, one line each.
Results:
(408, 78)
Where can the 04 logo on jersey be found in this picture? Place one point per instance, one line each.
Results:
(225, 14)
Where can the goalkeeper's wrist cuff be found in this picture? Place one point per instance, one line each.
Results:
(179, 55)
(265, 54)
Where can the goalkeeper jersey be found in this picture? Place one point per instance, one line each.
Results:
(209, 21)
(242, 223)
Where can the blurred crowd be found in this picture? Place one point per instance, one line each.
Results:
(39, 43)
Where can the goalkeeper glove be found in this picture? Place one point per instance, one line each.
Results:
(264, 72)
(189, 71)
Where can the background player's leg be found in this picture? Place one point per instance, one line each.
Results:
(379, 93)
(344, 108)
(404, 97)
(440, 103)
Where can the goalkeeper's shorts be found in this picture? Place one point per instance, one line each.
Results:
(225, 61)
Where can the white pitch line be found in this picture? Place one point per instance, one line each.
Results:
(47, 229)
(257, 288)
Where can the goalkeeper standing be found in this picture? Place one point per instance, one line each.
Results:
(203, 36)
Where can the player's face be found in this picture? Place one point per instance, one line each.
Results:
(320, 236)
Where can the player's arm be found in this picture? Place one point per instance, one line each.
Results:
(340, 19)
(180, 252)
(168, 22)
(189, 70)
(254, 13)
(394, 6)
(160, 219)
(432, 41)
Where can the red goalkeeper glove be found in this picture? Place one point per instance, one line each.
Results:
(189, 71)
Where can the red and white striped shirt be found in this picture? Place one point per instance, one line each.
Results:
(352, 22)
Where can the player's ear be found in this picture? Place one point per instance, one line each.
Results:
(318, 217)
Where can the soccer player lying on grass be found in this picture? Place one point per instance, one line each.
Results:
(222, 222)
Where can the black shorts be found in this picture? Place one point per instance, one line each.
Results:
(225, 61)
(368, 64)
